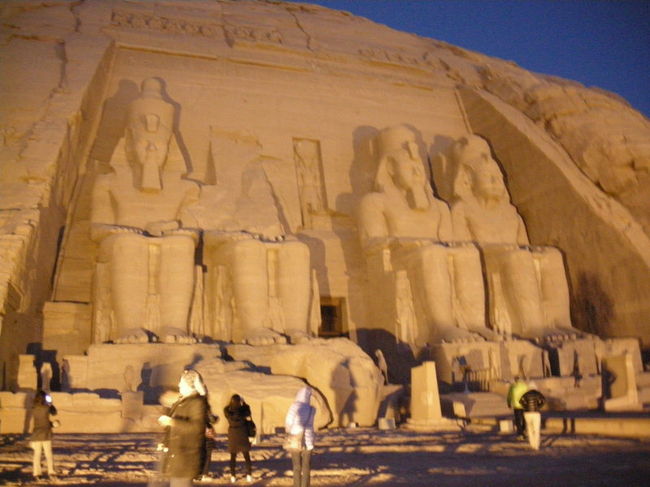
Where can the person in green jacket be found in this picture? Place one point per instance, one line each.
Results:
(518, 389)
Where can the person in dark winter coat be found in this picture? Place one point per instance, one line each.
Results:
(237, 412)
(532, 401)
(299, 423)
(185, 431)
(210, 421)
(41, 437)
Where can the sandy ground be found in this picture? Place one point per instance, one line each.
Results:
(362, 457)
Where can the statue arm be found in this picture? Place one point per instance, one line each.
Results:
(102, 215)
(186, 217)
(461, 229)
(522, 235)
(445, 229)
(214, 238)
(373, 228)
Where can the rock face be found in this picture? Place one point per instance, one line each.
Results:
(267, 115)
(337, 368)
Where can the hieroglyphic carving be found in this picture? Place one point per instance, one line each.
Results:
(425, 60)
(235, 33)
(164, 24)
(309, 169)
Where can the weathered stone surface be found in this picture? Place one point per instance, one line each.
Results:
(312, 88)
(346, 377)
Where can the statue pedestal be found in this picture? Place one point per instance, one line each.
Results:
(156, 366)
(426, 413)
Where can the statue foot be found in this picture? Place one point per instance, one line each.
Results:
(458, 335)
(298, 336)
(264, 336)
(552, 334)
(176, 335)
(136, 335)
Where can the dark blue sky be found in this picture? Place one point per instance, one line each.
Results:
(603, 43)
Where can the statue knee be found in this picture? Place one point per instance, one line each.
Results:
(296, 250)
(127, 244)
(432, 255)
(247, 249)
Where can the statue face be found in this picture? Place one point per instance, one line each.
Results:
(150, 148)
(406, 167)
(487, 179)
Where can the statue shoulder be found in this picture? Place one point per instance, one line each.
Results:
(373, 200)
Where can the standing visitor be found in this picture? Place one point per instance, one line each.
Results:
(532, 401)
(185, 431)
(299, 425)
(208, 444)
(41, 438)
(238, 413)
(518, 389)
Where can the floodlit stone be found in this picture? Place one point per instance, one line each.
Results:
(256, 173)
(346, 377)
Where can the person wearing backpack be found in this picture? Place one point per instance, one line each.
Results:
(238, 415)
(531, 402)
(299, 424)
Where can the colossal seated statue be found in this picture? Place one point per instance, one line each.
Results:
(257, 274)
(527, 287)
(402, 220)
(144, 277)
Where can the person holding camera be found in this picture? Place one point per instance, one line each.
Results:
(41, 438)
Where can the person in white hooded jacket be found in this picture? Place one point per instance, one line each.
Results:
(300, 423)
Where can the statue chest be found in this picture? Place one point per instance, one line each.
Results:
(499, 228)
(137, 208)
(406, 222)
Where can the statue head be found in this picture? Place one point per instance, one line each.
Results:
(476, 170)
(149, 131)
(400, 166)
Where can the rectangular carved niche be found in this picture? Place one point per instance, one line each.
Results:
(332, 317)
(309, 174)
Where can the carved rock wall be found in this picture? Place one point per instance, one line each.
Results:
(284, 72)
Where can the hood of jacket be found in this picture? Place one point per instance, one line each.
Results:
(304, 395)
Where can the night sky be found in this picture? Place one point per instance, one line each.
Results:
(603, 43)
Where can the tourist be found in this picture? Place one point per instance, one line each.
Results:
(41, 438)
(299, 424)
(185, 431)
(531, 402)
(208, 445)
(238, 413)
(518, 389)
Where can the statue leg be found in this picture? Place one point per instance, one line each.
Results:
(469, 290)
(428, 271)
(176, 281)
(522, 292)
(294, 287)
(555, 289)
(247, 261)
(129, 273)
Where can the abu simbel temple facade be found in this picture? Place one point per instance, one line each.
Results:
(276, 193)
